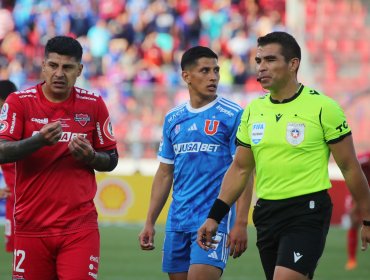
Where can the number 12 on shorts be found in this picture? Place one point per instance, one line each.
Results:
(19, 256)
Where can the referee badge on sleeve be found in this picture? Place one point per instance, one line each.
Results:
(295, 133)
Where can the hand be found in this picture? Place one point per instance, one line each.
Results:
(146, 238)
(51, 133)
(4, 193)
(81, 149)
(237, 241)
(205, 234)
(365, 237)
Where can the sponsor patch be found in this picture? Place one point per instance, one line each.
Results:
(258, 130)
(4, 111)
(108, 129)
(3, 126)
(82, 119)
(295, 133)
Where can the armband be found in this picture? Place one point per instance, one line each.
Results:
(218, 211)
(366, 223)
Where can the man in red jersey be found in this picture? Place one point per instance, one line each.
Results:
(8, 170)
(57, 134)
(355, 217)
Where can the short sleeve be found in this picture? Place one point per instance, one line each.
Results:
(242, 136)
(165, 151)
(333, 121)
(12, 119)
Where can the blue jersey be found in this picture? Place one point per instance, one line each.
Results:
(201, 145)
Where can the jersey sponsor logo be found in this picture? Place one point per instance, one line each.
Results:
(82, 119)
(194, 147)
(193, 127)
(100, 135)
(12, 126)
(278, 117)
(3, 126)
(31, 90)
(66, 135)
(174, 116)
(211, 127)
(40, 121)
(223, 110)
(177, 129)
(94, 259)
(258, 130)
(297, 256)
(4, 112)
(108, 129)
(342, 126)
(86, 92)
(295, 133)
(93, 275)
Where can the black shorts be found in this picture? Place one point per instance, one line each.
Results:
(292, 232)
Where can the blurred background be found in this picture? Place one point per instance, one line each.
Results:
(131, 57)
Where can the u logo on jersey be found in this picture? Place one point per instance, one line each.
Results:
(211, 127)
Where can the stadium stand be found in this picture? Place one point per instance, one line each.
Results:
(132, 50)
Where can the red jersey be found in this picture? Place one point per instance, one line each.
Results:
(53, 191)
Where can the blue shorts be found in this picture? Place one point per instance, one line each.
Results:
(180, 250)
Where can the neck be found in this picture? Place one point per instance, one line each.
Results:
(286, 92)
(55, 96)
(200, 101)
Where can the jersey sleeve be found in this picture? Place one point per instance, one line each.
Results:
(104, 138)
(333, 121)
(236, 124)
(242, 136)
(12, 119)
(166, 153)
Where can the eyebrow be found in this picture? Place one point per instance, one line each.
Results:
(265, 57)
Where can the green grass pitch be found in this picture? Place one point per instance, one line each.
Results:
(121, 258)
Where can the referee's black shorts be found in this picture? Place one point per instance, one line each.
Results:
(292, 232)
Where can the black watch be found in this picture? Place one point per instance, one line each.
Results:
(366, 223)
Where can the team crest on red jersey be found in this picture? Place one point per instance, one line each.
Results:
(3, 126)
(211, 127)
(108, 129)
(82, 119)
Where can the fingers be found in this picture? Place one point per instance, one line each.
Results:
(364, 239)
(81, 148)
(237, 249)
(51, 132)
(146, 241)
(206, 239)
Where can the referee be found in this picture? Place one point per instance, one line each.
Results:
(287, 137)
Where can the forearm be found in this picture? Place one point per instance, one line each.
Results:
(104, 161)
(233, 185)
(11, 151)
(243, 203)
(160, 191)
(358, 186)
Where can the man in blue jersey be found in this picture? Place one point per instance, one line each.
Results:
(197, 146)
(287, 136)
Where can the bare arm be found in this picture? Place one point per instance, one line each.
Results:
(11, 151)
(161, 187)
(233, 184)
(345, 156)
(238, 239)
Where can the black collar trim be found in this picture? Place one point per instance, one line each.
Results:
(299, 91)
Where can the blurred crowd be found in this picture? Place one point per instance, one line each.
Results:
(132, 50)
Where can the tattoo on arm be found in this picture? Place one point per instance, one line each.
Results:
(105, 160)
(11, 151)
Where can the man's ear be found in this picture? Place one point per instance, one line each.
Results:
(185, 76)
(294, 64)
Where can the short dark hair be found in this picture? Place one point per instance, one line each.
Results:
(6, 88)
(64, 45)
(191, 56)
(289, 46)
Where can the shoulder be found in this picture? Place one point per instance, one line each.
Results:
(175, 113)
(25, 94)
(87, 95)
(228, 107)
